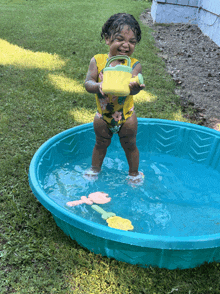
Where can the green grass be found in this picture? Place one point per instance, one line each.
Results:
(45, 49)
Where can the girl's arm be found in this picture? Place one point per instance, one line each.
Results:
(91, 84)
(134, 86)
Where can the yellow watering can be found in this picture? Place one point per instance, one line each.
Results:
(116, 79)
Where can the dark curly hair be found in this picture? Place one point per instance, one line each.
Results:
(116, 23)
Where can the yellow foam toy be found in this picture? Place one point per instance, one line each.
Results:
(114, 221)
(120, 223)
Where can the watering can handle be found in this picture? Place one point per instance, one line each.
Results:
(117, 57)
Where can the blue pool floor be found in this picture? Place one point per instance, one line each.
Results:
(177, 198)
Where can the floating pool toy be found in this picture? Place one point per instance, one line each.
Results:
(114, 221)
(116, 79)
(105, 215)
(120, 223)
(96, 197)
(111, 218)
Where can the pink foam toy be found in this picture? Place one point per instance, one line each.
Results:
(84, 199)
(96, 197)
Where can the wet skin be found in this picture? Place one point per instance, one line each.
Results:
(122, 43)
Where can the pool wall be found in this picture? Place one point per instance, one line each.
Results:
(145, 255)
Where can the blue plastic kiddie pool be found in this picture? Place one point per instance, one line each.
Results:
(175, 212)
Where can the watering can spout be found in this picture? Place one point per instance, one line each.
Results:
(139, 79)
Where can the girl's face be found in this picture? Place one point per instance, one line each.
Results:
(122, 43)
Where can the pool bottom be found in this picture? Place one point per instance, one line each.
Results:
(175, 200)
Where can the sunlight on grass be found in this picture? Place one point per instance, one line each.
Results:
(15, 55)
(66, 84)
(96, 282)
(177, 116)
(82, 115)
(144, 96)
(103, 280)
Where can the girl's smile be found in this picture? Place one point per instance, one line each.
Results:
(122, 43)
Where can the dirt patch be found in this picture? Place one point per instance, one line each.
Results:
(193, 61)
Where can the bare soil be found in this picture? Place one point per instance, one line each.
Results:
(193, 61)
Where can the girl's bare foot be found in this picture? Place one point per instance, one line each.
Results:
(91, 175)
(136, 180)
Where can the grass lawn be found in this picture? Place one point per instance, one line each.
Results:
(45, 49)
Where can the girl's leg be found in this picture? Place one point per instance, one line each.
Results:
(127, 135)
(103, 140)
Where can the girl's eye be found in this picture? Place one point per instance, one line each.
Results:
(119, 39)
(133, 42)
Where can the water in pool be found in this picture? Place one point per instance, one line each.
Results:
(174, 200)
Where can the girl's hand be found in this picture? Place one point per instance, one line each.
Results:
(100, 90)
(101, 76)
(100, 85)
(135, 88)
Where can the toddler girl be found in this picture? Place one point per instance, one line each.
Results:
(115, 114)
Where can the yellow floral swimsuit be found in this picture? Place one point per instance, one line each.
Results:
(112, 109)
